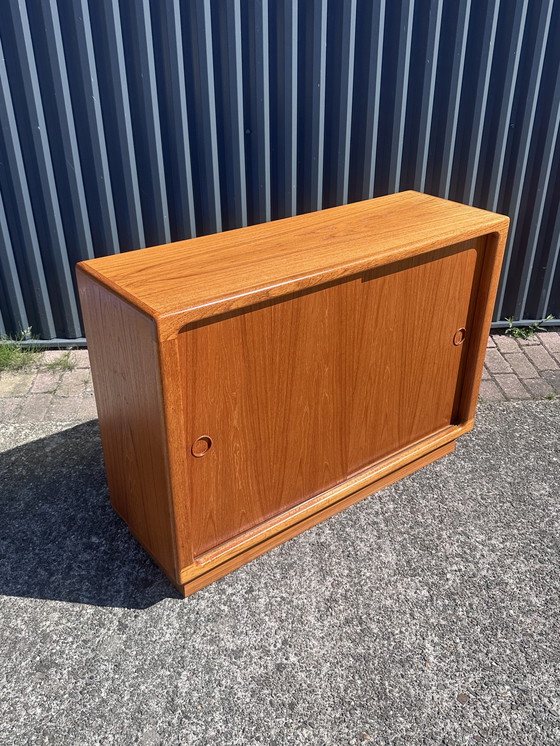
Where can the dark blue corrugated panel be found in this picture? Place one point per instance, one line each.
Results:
(127, 123)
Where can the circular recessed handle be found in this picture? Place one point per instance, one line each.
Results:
(201, 446)
(459, 336)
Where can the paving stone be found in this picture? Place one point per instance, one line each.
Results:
(86, 409)
(53, 356)
(551, 340)
(14, 383)
(63, 409)
(72, 383)
(26, 395)
(539, 387)
(10, 409)
(512, 386)
(541, 359)
(88, 388)
(553, 378)
(45, 382)
(80, 358)
(496, 363)
(35, 407)
(505, 343)
(521, 365)
(490, 392)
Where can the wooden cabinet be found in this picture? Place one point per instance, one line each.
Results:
(252, 383)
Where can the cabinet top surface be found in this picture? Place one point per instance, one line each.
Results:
(201, 277)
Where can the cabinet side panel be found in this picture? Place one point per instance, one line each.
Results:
(123, 351)
(480, 323)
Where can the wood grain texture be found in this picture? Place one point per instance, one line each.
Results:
(213, 570)
(252, 383)
(299, 395)
(123, 352)
(359, 484)
(190, 280)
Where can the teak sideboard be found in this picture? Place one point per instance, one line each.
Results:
(252, 383)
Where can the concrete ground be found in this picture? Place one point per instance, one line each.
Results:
(426, 614)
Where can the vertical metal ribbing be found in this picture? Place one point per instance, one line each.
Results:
(178, 125)
(131, 227)
(293, 107)
(129, 107)
(157, 210)
(401, 96)
(41, 152)
(345, 101)
(373, 97)
(11, 282)
(540, 198)
(525, 140)
(506, 103)
(211, 218)
(259, 122)
(20, 191)
(289, 109)
(429, 87)
(100, 200)
(481, 100)
(72, 169)
(317, 123)
(454, 97)
(234, 129)
(550, 271)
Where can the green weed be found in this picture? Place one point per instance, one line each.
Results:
(525, 332)
(13, 354)
(61, 363)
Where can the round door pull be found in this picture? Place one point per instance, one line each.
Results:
(201, 446)
(459, 336)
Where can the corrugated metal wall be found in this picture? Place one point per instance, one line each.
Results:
(136, 122)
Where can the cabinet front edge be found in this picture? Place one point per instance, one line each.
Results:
(84, 269)
(171, 324)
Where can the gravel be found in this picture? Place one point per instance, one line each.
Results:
(426, 614)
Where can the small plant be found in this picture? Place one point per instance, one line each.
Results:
(13, 354)
(551, 397)
(61, 363)
(525, 332)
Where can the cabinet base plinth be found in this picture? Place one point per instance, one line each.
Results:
(209, 576)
